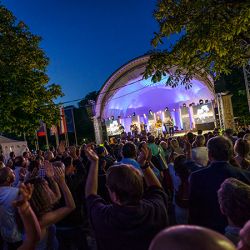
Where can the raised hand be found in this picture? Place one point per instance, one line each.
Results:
(49, 170)
(59, 174)
(91, 154)
(25, 193)
(61, 147)
(143, 156)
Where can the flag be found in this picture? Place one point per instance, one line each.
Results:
(63, 126)
(69, 116)
(42, 129)
(53, 130)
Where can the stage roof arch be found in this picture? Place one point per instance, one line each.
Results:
(125, 92)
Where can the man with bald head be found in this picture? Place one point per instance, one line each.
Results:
(190, 238)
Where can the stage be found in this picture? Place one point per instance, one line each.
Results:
(127, 102)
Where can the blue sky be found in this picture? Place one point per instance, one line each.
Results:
(87, 40)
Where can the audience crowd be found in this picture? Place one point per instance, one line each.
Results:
(135, 193)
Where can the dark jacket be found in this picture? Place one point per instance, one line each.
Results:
(203, 200)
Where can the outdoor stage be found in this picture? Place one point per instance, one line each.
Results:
(127, 102)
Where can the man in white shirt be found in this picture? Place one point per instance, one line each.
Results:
(200, 153)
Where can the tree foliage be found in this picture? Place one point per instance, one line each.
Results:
(234, 83)
(214, 37)
(25, 95)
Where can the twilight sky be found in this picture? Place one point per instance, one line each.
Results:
(87, 40)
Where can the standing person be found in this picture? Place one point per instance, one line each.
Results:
(171, 126)
(242, 151)
(166, 125)
(158, 126)
(234, 199)
(11, 160)
(190, 237)
(43, 204)
(10, 232)
(31, 225)
(20, 170)
(200, 153)
(134, 218)
(71, 231)
(129, 153)
(204, 209)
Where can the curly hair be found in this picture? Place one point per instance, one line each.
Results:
(234, 200)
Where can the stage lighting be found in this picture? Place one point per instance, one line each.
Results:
(200, 101)
(134, 114)
(173, 109)
(184, 105)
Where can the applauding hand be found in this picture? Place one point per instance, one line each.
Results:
(91, 154)
(25, 193)
(143, 156)
(59, 175)
(49, 170)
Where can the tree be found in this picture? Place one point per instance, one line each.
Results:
(234, 83)
(214, 36)
(25, 95)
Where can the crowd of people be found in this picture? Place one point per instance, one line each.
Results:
(136, 193)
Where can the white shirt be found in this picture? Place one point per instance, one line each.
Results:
(200, 155)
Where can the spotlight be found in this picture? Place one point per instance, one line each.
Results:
(200, 101)
(173, 109)
(134, 114)
(184, 105)
(166, 109)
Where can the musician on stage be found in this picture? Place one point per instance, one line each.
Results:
(158, 126)
(171, 126)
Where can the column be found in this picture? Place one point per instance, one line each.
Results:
(98, 130)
